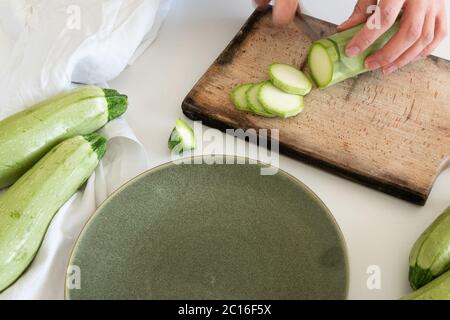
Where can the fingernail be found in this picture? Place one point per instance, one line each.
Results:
(389, 69)
(352, 51)
(372, 65)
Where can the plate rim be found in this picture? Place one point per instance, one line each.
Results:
(248, 161)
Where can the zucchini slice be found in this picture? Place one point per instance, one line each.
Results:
(321, 63)
(182, 138)
(279, 102)
(255, 104)
(289, 79)
(239, 97)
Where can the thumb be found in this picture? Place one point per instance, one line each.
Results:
(360, 14)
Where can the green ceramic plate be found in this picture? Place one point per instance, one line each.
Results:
(211, 232)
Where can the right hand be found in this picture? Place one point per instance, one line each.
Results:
(423, 26)
(284, 10)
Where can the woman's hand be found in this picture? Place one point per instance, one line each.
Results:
(423, 26)
(284, 10)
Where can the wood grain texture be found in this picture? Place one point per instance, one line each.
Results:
(391, 133)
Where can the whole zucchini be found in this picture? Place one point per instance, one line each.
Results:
(438, 289)
(27, 208)
(27, 136)
(430, 255)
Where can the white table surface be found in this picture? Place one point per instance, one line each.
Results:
(378, 228)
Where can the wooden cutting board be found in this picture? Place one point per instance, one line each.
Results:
(391, 132)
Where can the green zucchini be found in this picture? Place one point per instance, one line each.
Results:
(438, 289)
(255, 103)
(278, 102)
(289, 79)
(182, 138)
(27, 208)
(328, 62)
(239, 98)
(430, 255)
(27, 136)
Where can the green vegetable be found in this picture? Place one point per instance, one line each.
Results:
(254, 102)
(289, 79)
(240, 99)
(182, 138)
(438, 289)
(430, 255)
(27, 208)
(27, 136)
(328, 63)
(279, 102)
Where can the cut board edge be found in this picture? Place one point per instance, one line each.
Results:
(192, 112)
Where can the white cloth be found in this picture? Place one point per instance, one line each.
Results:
(45, 46)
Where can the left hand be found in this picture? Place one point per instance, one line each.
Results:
(423, 26)
(283, 10)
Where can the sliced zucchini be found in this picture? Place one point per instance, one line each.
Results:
(182, 138)
(278, 102)
(329, 63)
(321, 63)
(254, 103)
(289, 79)
(239, 97)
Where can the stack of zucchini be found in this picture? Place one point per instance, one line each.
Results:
(281, 96)
(47, 152)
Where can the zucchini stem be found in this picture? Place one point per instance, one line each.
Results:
(98, 144)
(117, 103)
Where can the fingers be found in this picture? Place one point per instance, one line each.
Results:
(389, 10)
(359, 15)
(261, 4)
(440, 32)
(422, 29)
(284, 11)
(427, 37)
(411, 32)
